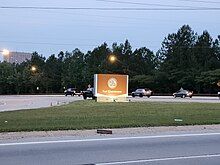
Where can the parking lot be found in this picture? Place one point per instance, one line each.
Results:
(18, 102)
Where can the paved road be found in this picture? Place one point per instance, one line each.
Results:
(17, 102)
(181, 149)
(196, 99)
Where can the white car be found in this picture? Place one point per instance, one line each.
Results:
(142, 92)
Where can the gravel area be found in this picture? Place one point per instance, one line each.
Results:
(116, 132)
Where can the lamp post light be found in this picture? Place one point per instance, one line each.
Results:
(112, 58)
(33, 68)
(5, 52)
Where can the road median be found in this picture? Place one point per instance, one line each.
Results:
(89, 114)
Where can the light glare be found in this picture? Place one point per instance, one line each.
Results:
(5, 52)
(112, 58)
(33, 68)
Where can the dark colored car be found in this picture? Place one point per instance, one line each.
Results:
(142, 92)
(183, 93)
(72, 92)
(89, 93)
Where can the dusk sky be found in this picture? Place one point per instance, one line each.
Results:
(50, 31)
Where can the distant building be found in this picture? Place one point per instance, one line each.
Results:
(17, 57)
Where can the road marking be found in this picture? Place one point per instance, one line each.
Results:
(109, 139)
(161, 159)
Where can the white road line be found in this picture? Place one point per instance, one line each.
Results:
(109, 139)
(161, 159)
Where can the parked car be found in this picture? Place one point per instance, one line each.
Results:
(72, 92)
(183, 93)
(89, 93)
(142, 92)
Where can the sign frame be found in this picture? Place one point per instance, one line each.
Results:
(111, 87)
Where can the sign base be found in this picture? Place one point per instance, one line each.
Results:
(111, 99)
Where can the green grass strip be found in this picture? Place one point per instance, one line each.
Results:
(92, 115)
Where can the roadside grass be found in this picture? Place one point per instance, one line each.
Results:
(89, 114)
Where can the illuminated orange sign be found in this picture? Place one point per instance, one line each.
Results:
(111, 85)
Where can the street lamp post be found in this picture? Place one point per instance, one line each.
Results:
(34, 74)
(113, 59)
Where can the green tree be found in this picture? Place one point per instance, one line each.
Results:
(53, 74)
(206, 53)
(142, 62)
(74, 70)
(208, 80)
(37, 78)
(177, 58)
(123, 53)
(6, 78)
(141, 81)
(96, 61)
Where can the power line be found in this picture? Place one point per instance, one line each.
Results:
(201, 1)
(59, 44)
(111, 9)
(47, 43)
(144, 4)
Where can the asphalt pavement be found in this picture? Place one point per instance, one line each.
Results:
(159, 149)
(194, 99)
(19, 102)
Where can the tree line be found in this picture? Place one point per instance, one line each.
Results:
(185, 59)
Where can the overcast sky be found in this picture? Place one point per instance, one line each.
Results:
(50, 31)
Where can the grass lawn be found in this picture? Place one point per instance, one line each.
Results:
(92, 115)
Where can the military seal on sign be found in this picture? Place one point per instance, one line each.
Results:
(112, 83)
